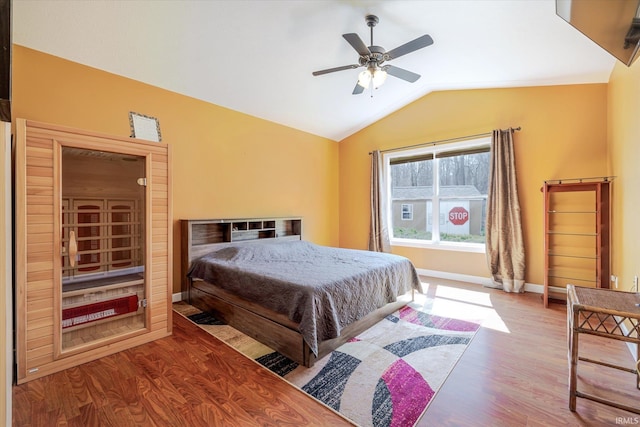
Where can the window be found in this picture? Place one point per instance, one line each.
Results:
(407, 212)
(438, 194)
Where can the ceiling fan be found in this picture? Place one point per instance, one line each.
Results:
(373, 57)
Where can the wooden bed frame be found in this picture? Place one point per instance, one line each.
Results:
(273, 329)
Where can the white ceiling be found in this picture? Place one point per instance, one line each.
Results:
(256, 57)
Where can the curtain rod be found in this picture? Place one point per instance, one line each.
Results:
(442, 141)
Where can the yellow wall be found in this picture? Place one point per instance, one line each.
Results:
(564, 131)
(225, 164)
(624, 156)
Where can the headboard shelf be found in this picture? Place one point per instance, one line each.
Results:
(201, 236)
(208, 231)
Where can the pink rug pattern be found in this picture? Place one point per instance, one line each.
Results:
(387, 375)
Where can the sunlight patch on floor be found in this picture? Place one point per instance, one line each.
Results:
(464, 304)
(464, 295)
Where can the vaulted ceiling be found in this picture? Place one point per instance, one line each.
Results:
(257, 57)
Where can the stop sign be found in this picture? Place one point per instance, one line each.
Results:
(458, 215)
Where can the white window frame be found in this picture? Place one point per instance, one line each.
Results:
(435, 228)
(409, 211)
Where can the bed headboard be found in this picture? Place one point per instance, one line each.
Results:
(201, 236)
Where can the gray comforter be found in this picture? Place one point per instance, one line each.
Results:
(321, 288)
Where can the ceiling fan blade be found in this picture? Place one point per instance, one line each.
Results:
(356, 42)
(357, 90)
(332, 70)
(401, 73)
(411, 46)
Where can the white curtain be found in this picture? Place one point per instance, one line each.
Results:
(505, 246)
(378, 233)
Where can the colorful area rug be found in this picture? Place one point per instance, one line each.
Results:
(385, 376)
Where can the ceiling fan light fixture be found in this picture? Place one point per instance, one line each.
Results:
(379, 76)
(364, 78)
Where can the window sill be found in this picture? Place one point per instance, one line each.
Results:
(444, 246)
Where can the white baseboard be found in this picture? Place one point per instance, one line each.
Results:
(478, 280)
(177, 297)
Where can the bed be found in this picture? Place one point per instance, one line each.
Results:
(301, 299)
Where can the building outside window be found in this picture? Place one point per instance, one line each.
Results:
(438, 194)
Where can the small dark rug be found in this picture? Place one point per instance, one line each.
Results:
(205, 319)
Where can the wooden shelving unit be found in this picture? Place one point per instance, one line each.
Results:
(577, 235)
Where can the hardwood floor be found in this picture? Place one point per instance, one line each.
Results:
(514, 373)
(187, 379)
